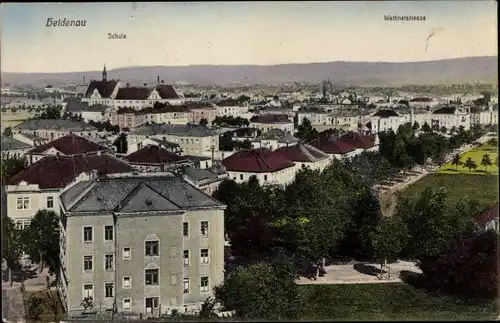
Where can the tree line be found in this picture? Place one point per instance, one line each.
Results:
(39, 241)
(335, 214)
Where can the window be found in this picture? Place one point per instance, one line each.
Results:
(151, 276)
(204, 228)
(204, 256)
(152, 248)
(50, 202)
(87, 234)
(127, 304)
(185, 229)
(108, 262)
(127, 282)
(265, 177)
(186, 285)
(186, 257)
(241, 176)
(152, 303)
(108, 233)
(88, 290)
(23, 203)
(204, 285)
(87, 263)
(126, 253)
(173, 280)
(108, 290)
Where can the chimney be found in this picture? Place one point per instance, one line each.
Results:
(84, 79)
(158, 79)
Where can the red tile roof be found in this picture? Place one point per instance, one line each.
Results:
(270, 118)
(256, 161)
(483, 218)
(153, 155)
(344, 144)
(70, 145)
(58, 171)
(301, 153)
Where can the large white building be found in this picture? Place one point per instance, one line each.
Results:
(38, 187)
(269, 167)
(141, 245)
(112, 93)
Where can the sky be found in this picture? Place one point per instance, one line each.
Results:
(241, 33)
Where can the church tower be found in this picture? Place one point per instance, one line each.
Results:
(104, 74)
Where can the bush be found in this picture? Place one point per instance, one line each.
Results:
(469, 268)
(34, 307)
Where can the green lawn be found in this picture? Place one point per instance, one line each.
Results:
(398, 301)
(476, 154)
(459, 186)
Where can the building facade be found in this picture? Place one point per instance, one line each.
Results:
(133, 259)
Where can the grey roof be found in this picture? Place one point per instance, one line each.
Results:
(211, 174)
(173, 129)
(97, 108)
(345, 113)
(127, 193)
(277, 134)
(54, 124)
(73, 106)
(9, 143)
(34, 138)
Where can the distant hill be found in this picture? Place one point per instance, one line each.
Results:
(448, 71)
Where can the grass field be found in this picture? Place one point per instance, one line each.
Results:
(398, 301)
(459, 186)
(476, 154)
(48, 305)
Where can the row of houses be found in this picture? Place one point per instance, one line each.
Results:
(384, 119)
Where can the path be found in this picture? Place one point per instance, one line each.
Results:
(419, 173)
(347, 274)
(12, 304)
(12, 298)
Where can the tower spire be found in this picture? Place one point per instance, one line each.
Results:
(104, 74)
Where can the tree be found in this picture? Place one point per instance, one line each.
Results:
(270, 293)
(41, 239)
(207, 309)
(11, 245)
(87, 303)
(121, 144)
(416, 126)
(470, 164)
(457, 161)
(389, 240)
(486, 161)
(468, 268)
(433, 223)
(7, 132)
(203, 122)
(443, 129)
(496, 161)
(305, 131)
(11, 165)
(52, 112)
(426, 128)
